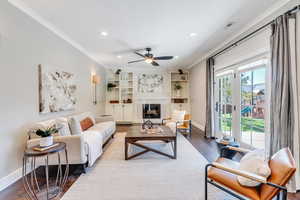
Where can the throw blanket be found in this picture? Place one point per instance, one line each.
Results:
(94, 143)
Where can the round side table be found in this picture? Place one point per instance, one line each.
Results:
(34, 188)
(226, 153)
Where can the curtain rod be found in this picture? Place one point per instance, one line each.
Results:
(295, 9)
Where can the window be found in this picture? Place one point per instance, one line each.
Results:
(252, 95)
(240, 101)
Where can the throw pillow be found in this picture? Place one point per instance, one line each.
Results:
(63, 126)
(86, 124)
(178, 115)
(255, 163)
(74, 126)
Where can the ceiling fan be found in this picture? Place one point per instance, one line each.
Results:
(149, 58)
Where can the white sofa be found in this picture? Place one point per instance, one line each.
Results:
(84, 147)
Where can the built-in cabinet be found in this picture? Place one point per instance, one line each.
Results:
(123, 102)
(119, 98)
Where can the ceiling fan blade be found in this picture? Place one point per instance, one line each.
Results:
(154, 63)
(136, 61)
(137, 53)
(163, 58)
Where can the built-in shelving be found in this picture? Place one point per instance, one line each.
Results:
(180, 91)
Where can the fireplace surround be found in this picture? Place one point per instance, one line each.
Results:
(151, 111)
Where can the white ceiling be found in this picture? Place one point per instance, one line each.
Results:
(164, 25)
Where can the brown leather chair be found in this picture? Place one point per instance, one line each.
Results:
(186, 126)
(223, 174)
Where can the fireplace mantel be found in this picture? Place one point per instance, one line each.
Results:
(153, 100)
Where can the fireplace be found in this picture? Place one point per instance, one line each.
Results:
(151, 111)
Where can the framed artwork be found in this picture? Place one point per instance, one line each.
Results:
(150, 83)
(57, 90)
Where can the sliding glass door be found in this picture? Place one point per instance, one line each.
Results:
(252, 117)
(240, 101)
(223, 102)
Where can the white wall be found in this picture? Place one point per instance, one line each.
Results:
(24, 44)
(198, 94)
(255, 46)
(259, 44)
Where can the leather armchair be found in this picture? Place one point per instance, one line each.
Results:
(223, 174)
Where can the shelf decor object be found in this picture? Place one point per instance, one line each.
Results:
(96, 81)
(44, 188)
(178, 88)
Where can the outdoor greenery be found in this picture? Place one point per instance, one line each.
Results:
(247, 124)
(249, 98)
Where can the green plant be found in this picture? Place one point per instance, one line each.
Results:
(177, 86)
(46, 132)
(110, 86)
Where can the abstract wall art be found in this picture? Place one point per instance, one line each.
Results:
(150, 83)
(57, 90)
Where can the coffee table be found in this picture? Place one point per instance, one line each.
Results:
(134, 136)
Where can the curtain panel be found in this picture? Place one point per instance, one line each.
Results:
(284, 105)
(209, 125)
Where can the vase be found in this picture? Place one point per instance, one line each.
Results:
(178, 93)
(46, 141)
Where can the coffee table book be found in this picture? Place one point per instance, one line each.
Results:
(41, 149)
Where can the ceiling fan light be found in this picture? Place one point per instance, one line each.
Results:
(148, 60)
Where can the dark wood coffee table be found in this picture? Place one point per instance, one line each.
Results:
(134, 136)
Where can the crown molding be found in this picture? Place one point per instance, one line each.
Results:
(19, 4)
(275, 7)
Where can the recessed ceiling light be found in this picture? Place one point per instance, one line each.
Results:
(103, 33)
(193, 34)
(119, 56)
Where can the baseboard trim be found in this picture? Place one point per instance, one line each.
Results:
(199, 126)
(10, 179)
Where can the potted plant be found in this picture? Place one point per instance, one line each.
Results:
(177, 88)
(46, 135)
(110, 86)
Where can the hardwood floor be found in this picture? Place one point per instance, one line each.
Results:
(208, 148)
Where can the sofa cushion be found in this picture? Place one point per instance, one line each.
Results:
(86, 124)
(63, 126)
(106, 129)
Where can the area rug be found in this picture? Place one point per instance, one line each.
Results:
(149, 177)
